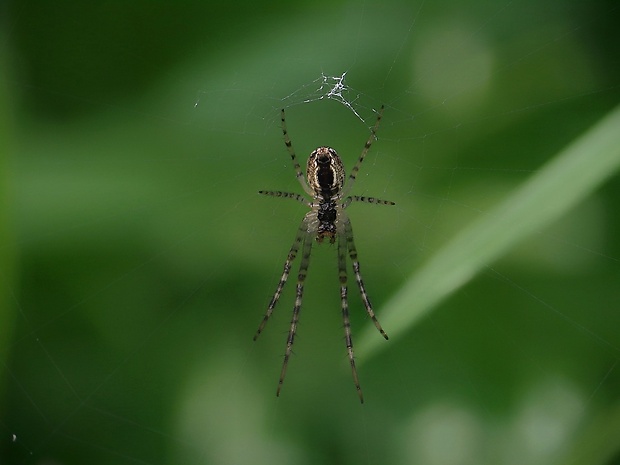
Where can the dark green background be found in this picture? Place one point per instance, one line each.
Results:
(136, 258)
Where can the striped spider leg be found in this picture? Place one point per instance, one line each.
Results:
(325, 184)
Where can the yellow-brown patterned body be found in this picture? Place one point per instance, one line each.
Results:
(325, 173)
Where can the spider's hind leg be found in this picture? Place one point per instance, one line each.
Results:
(289, 146)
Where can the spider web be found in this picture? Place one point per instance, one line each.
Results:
(137, 258)
(328, 88)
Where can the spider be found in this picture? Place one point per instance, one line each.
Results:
(327, 219)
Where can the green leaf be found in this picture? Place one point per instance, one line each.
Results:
(558, 186)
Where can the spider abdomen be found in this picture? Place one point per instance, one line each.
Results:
(325, 172)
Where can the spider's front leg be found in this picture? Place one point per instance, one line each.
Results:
(299, 238)
(342, 274)
(301, 278)
(358, 277)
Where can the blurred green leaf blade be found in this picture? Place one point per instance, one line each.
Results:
(558, 186)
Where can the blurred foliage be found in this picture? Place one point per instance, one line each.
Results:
(137, 258)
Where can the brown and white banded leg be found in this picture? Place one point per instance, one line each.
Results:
(356, 168)
(358, 277)
(299, 238)
(361, 198)
(291, 151)
(342, 273)
(287, 195)
(301, 278)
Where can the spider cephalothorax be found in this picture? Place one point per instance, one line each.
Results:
(327, 218)
(326, 214)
